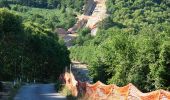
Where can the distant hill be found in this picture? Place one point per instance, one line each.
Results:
(132, 45)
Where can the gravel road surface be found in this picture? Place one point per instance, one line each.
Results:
(38, 92)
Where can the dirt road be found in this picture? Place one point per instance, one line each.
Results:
(38, 92)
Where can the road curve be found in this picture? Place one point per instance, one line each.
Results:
(38, 92)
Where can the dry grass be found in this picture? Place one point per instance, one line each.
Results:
(66, 92)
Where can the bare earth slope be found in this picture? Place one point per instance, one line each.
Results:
(95, 12)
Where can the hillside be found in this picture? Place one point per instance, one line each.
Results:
(131, 45)
(30, 48)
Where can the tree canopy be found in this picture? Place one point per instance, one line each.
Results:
(28, 51)
(74, 4)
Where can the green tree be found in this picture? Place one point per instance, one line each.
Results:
(4, 3)
(28, 51)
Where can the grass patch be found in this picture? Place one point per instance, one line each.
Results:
(66, 92)
(58, 86)
(63, 90)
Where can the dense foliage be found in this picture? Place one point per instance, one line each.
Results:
(28, 47)
(29, 51)
(132, 45)
(4, 3)
(62, 15)
(83, 36)
(47, 18)
(74, 4)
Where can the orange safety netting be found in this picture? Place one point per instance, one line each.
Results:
(100, 91)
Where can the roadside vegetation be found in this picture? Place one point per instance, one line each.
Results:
(131, 46)
(29, 51)
(63, 90)
(66, 92)
(14, 90)
(9, 90)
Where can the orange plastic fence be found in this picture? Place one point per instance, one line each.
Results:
(100, 91)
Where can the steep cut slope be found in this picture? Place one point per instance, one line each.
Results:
(95, 11)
